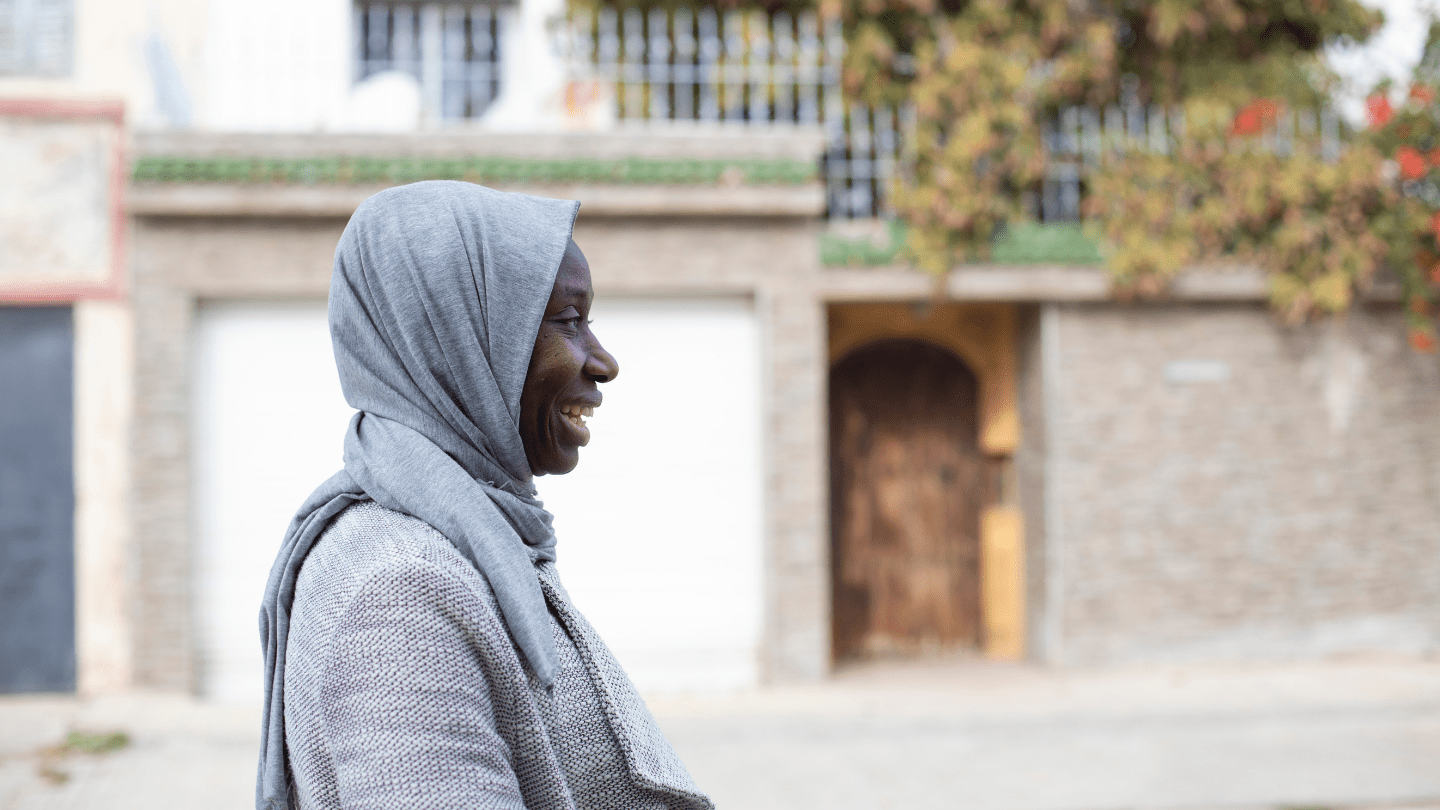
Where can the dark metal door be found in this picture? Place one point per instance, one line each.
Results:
(908, 482)
(37, 500)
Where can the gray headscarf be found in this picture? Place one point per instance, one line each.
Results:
(435, 301)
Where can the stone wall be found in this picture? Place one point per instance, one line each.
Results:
(1230, 488)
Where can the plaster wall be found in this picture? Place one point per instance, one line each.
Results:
(104, 584)
(57, 201)
(1230, 488)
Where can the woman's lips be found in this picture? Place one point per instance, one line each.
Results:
(574, 415)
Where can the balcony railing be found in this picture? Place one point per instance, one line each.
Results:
(1077, 140)
(746, 70)
(735, 67)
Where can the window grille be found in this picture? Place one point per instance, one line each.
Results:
(685, 64)
(741, 68)
(452, 50)
(36, 37)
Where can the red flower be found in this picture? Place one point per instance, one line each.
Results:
(1422, 340)
(1421, 93)
(1378, 109)
(1254, 117)
(1412, 164)
(1435, 274)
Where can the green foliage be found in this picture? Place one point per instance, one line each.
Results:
(1320, 227)
(982, 74)
(1234, 50)
(1221, 197)
(1409, 139)
(977, 75)
(80, 742)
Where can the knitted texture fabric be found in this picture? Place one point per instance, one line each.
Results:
(403, 689)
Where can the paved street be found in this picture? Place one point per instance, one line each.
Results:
(1361, 734)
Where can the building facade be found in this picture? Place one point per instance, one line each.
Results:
(1004, 461)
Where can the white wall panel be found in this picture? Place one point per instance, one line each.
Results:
(660, 527)
(268, 426)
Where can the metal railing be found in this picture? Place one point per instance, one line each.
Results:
(753, 69)
(453, 50)
(740, 69)
(737, 67)
(1078, 139)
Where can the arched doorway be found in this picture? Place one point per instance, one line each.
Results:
(908, 483)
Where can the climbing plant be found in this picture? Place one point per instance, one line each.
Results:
(1314, 221)
(1320, 224)
(1408, 137)
(980, 76)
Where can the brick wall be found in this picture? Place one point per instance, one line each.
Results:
(1229, 488)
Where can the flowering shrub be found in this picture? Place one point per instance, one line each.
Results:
(1313, 222)
(1410, 137)
(980, 75)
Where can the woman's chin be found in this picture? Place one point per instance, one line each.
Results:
(559, 458)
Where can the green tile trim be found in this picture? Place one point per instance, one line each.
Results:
(1058, 243)
(357, 169)
(1026, 243)
(840, 251)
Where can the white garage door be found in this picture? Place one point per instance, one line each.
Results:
(269, 422)
(660, 526)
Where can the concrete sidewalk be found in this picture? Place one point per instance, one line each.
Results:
(975, 736)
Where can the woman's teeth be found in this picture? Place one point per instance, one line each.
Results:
(576, 414)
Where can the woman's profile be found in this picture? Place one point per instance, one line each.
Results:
(420, 651)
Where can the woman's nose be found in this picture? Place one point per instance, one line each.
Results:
(600, 366)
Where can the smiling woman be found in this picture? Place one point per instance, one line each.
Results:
(565, 365)
(420, 650)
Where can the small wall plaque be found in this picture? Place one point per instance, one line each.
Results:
(1191, 372)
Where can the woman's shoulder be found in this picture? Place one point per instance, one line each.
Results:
(367, 541)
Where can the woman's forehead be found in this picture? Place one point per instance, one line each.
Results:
(573, 277)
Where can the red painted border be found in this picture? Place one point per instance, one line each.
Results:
(114, 287)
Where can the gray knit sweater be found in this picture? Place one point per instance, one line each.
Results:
(403, 689)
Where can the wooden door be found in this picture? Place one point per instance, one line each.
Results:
(908, 482)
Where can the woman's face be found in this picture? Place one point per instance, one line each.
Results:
(565, 367)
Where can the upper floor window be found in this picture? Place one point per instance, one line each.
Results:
(452, 50)
(36, 37)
